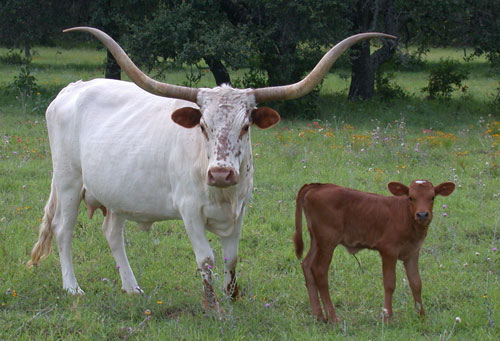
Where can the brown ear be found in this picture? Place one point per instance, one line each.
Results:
(398, 189)
(187, 117)
(264, 117)
(444, 189)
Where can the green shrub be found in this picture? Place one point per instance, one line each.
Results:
(386, 88)
(14, 58)
(25, 83)
(254, 79)
(444, 78)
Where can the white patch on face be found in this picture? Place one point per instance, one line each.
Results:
(225, 112)
(420, 182)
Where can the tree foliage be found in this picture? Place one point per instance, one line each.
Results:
(24, 23)
(277, 41)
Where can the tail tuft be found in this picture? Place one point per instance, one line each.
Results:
(44, 244)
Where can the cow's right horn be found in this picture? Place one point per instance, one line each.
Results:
(136, 75)
(306, 85)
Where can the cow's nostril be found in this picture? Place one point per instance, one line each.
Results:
(422, 215)
(222, 177)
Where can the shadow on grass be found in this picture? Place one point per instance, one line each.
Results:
(436, 114)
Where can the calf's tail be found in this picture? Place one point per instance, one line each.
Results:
(42, 247)
(297, 237)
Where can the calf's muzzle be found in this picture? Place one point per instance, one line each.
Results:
(423, 215)
(222, 177)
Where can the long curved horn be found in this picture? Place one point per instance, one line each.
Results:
(306, 85)
(136, 75)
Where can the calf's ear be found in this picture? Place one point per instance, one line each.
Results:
(398, 189)
(444, 189)
(187, 117)
(264, 117)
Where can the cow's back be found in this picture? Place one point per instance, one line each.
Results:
(123, 144)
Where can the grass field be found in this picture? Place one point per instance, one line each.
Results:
(360, 145)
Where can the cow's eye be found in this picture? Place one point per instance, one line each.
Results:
(432, 198)
(410, 198)
(244, 130)
(203, 130)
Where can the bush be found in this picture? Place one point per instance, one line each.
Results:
(444, 78)
(254, 79)
(386, 88)
(25, 86)
(14, 58)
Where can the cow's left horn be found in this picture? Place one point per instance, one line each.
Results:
(306, 85)
(136, 75)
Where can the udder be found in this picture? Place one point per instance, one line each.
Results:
(92, 204)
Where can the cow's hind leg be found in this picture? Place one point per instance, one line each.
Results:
(68, 202)
(312, 288)
(113, 228)
(320, 265)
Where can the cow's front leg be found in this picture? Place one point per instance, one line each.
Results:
(411, 266)
(389, 275)
(230, 254)
(204, 259)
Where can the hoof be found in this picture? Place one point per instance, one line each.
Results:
(135, 291)
(210, 304)
(75, 291)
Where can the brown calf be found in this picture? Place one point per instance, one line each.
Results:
(394, 226)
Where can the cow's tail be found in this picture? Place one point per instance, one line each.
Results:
(42, 247)
(297, 237)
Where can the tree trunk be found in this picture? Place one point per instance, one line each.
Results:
(218, 70)
(27, 50)
(363, 75)
(113, 70)
(364, 64)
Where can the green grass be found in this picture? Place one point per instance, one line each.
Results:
(357, 144)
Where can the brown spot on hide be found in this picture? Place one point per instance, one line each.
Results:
(232, 288)
(210, 301)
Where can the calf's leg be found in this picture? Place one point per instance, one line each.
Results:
(113, 228)
(389, 275)
(411, 266)
(320, 265)
(312, 288)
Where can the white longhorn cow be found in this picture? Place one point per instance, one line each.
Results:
(134, 154)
